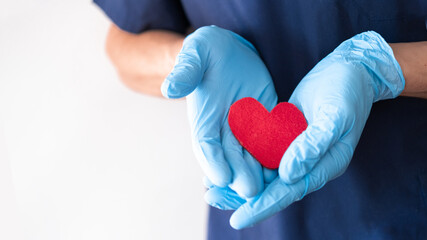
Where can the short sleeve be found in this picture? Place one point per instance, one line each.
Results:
(136, 16)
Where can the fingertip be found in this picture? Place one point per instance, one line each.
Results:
(213, 162)
(185, 75)
(257, 173)
(221, 182)
(238, 220)
(245, 184)
(247, 173)
(207, 183)
(174, 89)
(165, 88)
(208, 196)
(269, 174)
(211, 199)
(290, 169)
(221, 177)
(223, 198)
(246, 190)
(252, 191)
(247, 179)
(286, 172)
(289, 175)
(234, 222)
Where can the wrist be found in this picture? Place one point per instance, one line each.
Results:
(372, 54)
(412, 58)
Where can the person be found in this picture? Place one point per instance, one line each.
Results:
(349, 66)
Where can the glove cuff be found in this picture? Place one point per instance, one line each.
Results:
(376, 56)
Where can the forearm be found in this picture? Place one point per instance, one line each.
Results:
(143, 60)
(412, 58)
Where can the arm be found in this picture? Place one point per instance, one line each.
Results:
(146, 63)
(336, 97)
(412, 58)
(143, 60)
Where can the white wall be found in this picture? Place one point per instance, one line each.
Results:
(81, 156)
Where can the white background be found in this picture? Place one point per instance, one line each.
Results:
(81, 156)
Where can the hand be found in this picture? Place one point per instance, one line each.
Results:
(215, 68)
(336, 97)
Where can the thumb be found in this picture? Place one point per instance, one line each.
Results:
(309, 147)
(223, 198)
(187, 72)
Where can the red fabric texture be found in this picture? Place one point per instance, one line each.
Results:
(266, 135)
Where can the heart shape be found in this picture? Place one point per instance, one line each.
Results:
(266, 135)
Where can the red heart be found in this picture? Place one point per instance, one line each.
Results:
(265, 135)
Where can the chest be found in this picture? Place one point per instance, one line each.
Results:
(292, 36)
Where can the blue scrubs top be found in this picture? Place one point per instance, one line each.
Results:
(383, 193)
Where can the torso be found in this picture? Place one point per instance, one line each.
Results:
(383, 194)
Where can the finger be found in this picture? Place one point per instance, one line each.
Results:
(279, 195)
(257, 172)
(246, 181)
(223, 198)
(207, 183)
(269, 174)
(188, 70)
(209, 152)
(332, 165)
(275, 197)
(308, 148)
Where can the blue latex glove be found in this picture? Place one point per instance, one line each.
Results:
(336, 97)
(215, 68)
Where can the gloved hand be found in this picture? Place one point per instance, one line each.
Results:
(336, 97)
(215, 68)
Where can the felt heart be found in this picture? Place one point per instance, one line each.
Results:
(266, 135)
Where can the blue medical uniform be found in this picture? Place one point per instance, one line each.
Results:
(383, 193)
